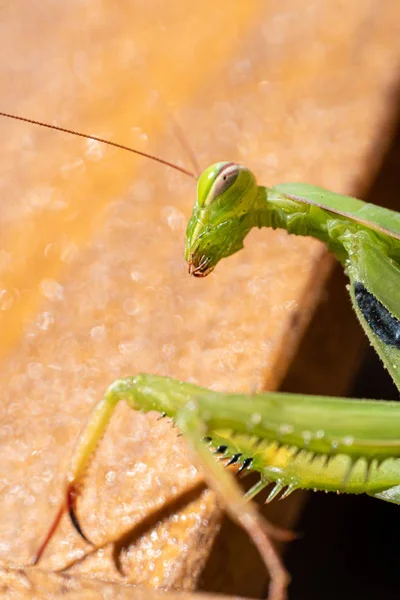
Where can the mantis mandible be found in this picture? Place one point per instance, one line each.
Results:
(295, 441)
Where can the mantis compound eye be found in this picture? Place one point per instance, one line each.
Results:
(223, 181)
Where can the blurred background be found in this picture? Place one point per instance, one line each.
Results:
(93, 284)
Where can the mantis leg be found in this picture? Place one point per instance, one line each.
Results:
(296, 441)
(83, 454)
(191, 423)
(188, 420)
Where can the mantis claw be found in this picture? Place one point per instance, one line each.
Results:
(69, 504)
(71, 497)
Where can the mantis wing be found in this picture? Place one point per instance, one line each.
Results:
(374, 217)
(374, 292)
(374, 276)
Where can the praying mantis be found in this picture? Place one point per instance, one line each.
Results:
(294, 441)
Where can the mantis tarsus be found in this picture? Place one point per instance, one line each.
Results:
(295, 441)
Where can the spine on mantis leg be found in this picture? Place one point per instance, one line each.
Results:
(296, 441)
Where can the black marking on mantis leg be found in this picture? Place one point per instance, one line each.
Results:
(221, 450)
(368, 467)
(327, 458)
(346, 478)
(234, 459)
(311, 457)
(246, 464)
(382, 323)
(257, 443)
(297, 452)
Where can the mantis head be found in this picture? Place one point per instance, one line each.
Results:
(226, 193)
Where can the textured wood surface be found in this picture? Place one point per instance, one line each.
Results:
(93, 283)
(27, 583)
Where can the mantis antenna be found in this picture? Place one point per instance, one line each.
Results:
(103, 141)
(186, 146)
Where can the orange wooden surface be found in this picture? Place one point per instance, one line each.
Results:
(93, 284)
(28, 583)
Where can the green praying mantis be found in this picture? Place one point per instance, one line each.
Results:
(292, 440)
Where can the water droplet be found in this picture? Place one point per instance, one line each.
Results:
(69, 252)
(154, 535)
(139, 134)
(98, 333)
(136, 276)
(73, 165)
(110, 477)
(45, 320)
(48, 249)
(286, 429)
(264, 85)
(320, 434)
(94, 150)
(238, 347)
(35, 370)
(174, 218)
(169, 351)
(348, 440)
(126, 348)
(42, 196)
(6, 299)
(131, 307)
(51, 289)
(255, 285)
(255, 419)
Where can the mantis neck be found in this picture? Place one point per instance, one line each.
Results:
(277, 211)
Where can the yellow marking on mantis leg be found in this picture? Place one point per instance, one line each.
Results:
(277, 456)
